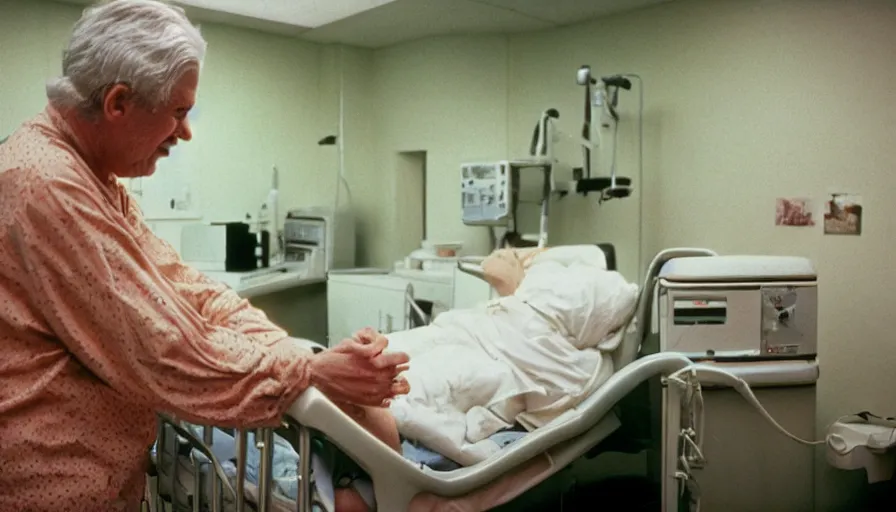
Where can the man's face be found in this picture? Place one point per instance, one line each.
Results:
(139, 136)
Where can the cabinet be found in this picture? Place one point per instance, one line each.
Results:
(377, 299)
(436, 288)
(357, 300)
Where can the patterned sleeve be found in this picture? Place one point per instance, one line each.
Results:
(214, 300)
(112, 307)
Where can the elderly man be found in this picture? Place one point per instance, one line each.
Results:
(101, 325)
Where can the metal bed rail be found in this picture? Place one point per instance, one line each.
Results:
(211, 481)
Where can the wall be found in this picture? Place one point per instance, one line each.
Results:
(447, 97)
(32, 36)
(257, 107)
(543, 75)
(745, 102)
(749, 101)
(368, 188)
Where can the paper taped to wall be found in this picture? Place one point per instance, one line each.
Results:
(843, 214)
(793, 212)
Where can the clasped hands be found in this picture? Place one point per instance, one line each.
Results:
(358, 372)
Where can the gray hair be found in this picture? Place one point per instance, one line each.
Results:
(146, 44)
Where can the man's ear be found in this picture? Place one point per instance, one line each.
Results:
(117, 101)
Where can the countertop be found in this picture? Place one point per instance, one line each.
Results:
(265, 281)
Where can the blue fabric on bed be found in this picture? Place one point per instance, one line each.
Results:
(426, 457)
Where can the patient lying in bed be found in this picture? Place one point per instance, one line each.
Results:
(481, 377)
(521, 360)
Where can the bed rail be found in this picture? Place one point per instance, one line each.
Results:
(416, 317)
(208, 488)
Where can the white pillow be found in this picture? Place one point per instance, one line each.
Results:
(573, 288)
(571, 254)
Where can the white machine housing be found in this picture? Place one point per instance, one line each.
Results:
(485, 193)
(320, 238)
(487, 188)
(739, 307)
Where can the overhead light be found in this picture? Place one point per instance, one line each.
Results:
(303, 13)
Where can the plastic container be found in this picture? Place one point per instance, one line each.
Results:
(443, 249)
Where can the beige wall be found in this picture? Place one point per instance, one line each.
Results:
(32, 35)
(448, 97)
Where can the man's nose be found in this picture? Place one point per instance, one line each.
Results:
(185, 132)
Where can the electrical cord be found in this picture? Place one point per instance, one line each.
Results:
(739, 385)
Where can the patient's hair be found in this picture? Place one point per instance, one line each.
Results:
(513, 239)
(146, 44)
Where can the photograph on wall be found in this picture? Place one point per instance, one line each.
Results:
(793, 211)
(843, 214)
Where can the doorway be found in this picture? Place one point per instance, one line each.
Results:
(410, 201)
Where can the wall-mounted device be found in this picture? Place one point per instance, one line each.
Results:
(485, 193)
(601, 100)
(490, 193)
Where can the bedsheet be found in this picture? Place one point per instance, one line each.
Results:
(524, 358)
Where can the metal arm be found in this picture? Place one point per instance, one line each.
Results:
(414, 310)
(472, 266)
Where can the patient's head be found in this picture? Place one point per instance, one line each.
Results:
(505, 268)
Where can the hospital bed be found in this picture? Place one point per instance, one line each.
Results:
(400, 482)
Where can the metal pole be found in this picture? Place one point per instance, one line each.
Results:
(161, 442)
(213, 490)
(545, 207)
(265, 472)
(304, 496)
(242, 441)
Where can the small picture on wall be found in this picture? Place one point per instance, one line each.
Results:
(790, 211)
(843, 214)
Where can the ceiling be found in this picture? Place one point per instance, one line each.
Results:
(381, 23)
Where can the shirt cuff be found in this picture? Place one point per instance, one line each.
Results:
(292, 369)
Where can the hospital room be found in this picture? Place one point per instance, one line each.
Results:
(620, 245)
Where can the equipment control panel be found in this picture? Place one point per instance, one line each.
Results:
(485, 193)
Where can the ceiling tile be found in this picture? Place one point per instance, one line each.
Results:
(298, 13)
(569, 11)
(304, 13)
(406, 20)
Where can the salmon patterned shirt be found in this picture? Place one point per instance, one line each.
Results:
(102, 326)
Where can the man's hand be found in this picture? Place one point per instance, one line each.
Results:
(357, 371)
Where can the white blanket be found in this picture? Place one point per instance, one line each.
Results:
(525, 358)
